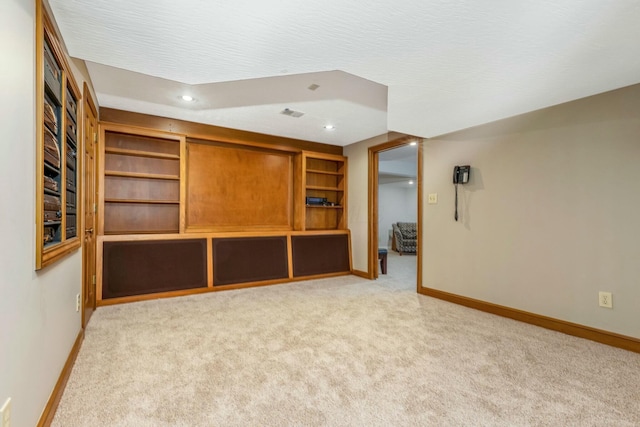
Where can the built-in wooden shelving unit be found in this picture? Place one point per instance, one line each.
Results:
(142, 181)
(237, 212)
(325, 195)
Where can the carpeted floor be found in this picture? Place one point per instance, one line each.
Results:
(339, 352)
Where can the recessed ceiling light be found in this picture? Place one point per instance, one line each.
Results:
(410, 182)
(187, 98)
(413, 143)
(329, 127)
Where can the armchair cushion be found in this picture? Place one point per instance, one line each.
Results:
(408, 230)
(405, 235)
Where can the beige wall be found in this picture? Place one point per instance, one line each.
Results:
(550, 216)
(39, 323)
(548, 219)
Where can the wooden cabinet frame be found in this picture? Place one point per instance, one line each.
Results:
(65, 233)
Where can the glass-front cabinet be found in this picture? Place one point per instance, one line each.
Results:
(57, 168)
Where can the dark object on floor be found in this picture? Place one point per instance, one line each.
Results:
(382, 256)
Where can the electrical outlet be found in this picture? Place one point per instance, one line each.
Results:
(433, 198)
(77, 302)
(5, 414)
(605, 299)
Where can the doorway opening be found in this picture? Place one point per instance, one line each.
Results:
(393, 199)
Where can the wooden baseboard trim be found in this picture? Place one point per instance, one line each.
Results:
(52, 405)
(361, 273)
(577, 330)
(157, 295)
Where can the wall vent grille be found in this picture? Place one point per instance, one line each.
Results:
(292, 113)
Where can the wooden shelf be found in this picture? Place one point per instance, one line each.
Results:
(324, 172)
(324, 207)
(318, 187)
(140, 153)
(48, 126)
(115, 232)
(72, 142)
(139, 201)
(55, 97)
(142, 175)
(51, 168)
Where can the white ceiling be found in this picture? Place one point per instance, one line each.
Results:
(422, 67)
(398, 166)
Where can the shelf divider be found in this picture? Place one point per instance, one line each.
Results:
(140, 153)
(143, 201)
(318, 187)
(321, 172)
(142, 175)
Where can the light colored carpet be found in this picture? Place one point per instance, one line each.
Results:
(339, 352)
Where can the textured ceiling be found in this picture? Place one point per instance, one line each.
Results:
(435, 66)
(398, 166)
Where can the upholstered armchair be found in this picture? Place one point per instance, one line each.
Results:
(405, 237)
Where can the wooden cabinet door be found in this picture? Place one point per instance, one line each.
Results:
(90, 122)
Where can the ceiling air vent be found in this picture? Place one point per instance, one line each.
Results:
(291, 113)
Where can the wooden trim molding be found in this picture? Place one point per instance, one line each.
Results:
(52, 405)
(289, 257)
(209, 264)
(577, 330)
(420, 214)
(372, 225)
(157, 295)
(372, 188)
(361, 273)
(210, 132)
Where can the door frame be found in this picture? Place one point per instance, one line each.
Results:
(372, 234)
(90, 104)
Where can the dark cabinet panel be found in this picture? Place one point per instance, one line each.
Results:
(250, 259)
(144, 267)
(320, 254)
